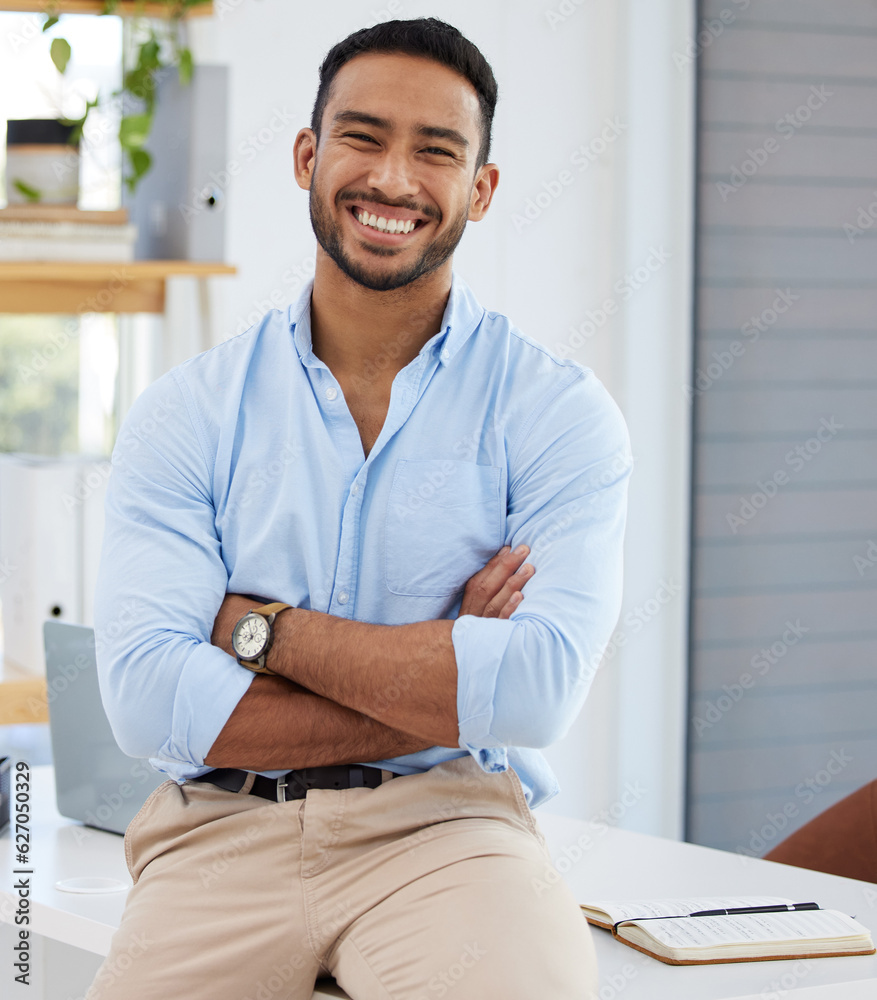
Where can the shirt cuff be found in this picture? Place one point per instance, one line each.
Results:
(210, 686)
(479, 648)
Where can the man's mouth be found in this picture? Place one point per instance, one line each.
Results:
(386, 225)
(396, 222)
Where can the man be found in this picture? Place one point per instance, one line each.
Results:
(343, 499)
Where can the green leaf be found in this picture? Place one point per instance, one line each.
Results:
(140, 83)
(148, 56)
(60, 52)
(51, 21)
(140, 162)
(185, 66)
(134, 131)
(29, 192)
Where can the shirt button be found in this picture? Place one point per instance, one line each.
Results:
(445, 354)
(331, 392)
(354, 489)
(343, 597)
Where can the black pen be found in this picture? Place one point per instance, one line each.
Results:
(773, 908)
(776, 908)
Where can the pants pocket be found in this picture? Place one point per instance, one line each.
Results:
(134, 826)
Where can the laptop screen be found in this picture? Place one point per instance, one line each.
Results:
(95, 782)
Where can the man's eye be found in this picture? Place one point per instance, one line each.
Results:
(437, 149)
(358, 135)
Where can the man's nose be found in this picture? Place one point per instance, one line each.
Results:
(393, 174)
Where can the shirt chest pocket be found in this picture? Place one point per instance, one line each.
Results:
(444, 521)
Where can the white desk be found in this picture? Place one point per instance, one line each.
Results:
(861, 990)
(623, 865)
(597, 862)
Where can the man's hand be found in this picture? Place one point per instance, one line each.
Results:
(495, 590)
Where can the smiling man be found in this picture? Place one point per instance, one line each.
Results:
(327, 538)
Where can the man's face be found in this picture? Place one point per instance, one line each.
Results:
(393, 180)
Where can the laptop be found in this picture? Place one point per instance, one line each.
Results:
(95, 782)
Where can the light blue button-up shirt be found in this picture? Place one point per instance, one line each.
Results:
(242, 471)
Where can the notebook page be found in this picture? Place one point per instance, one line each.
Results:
(705, 932)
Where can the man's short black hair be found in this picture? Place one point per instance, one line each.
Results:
(424, 36)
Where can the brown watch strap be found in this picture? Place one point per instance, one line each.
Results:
(250, 665)
(271, 609)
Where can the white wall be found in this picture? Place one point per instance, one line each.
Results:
(656, 211)
(588, 87)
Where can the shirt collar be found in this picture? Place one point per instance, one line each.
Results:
(461, 317)
(300, 326)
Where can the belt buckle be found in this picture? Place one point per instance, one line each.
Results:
(281, 788)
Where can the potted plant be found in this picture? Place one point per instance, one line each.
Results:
(151, 45)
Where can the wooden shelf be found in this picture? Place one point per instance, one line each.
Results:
(22, 697)
(63, 213)
(68, 287)
(127, 8)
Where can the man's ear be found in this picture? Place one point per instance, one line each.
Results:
(485, 184)
(303, 157)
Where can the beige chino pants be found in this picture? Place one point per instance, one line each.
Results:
(432, 885)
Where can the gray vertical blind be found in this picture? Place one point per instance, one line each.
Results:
(783, 710)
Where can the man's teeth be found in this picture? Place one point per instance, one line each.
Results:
(386, 225)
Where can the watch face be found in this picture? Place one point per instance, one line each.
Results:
(250, 637)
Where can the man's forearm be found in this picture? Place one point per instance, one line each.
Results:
(297, 728)
(403, 676)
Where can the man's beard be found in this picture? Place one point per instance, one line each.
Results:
(329, 237)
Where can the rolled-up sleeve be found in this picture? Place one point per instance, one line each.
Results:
(167, 691)
(523, 681)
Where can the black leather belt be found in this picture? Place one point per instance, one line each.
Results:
(296, 784)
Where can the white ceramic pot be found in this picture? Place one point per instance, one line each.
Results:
(39, 155)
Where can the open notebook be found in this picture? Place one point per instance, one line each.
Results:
(676, 931)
